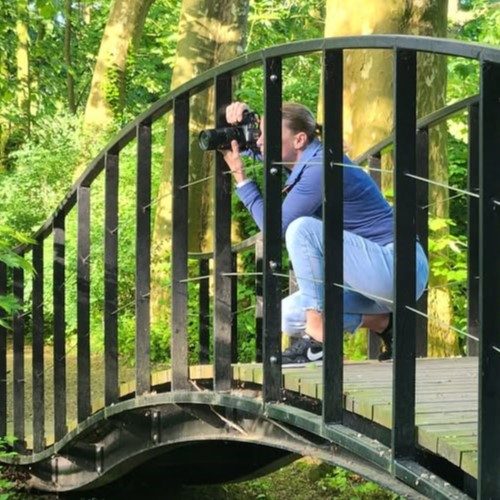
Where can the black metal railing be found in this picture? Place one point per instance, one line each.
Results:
(411, 147)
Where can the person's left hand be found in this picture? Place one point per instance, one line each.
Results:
(234, 162)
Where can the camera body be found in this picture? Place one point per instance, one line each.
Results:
(245, 134)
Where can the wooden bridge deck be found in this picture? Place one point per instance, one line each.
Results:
(446, 399)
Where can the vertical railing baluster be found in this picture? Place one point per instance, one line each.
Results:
(180, 200)
(333, 237)
(234, 309)
(143, 260)
(259, 307)
(473, 233)
(83, 304)
(18, 344)
(111, 392)
(37, 349)
(3, 354)
(403, 401)
(489, 282)
(422, 152)
(204, 312)
(222, 250)
(272, 230)
(375, 163)
(59, 304)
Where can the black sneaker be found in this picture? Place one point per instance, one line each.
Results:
(386, 347)
(304, 350)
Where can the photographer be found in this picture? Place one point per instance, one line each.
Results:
(368, 236)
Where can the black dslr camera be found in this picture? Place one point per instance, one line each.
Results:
(246, 134)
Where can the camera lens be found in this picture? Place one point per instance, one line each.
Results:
(208, 139)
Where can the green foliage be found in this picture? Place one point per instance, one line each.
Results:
(6, 485)
(42, 172)
(302, 480)
(10, 238)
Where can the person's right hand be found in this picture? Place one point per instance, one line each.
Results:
(234, 112)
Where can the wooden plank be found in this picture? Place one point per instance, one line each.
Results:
(383, 396)
(453, 448)
(161, 377)
(382, 415)
(311, 388)
(429, 435)
(201, 372)
(469, 463)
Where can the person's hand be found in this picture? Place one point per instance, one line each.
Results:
(234, 112)
(234, 162)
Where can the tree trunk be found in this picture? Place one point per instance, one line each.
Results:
(368, 105)
(5, 125)
(23, 65)
(210, 32)
(70, 82)
(106, 95)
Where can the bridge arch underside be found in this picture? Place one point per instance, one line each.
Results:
(205, 437)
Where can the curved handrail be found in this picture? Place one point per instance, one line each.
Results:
(434, 118)
(159, 108)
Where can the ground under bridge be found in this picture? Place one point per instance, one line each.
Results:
(422, 427)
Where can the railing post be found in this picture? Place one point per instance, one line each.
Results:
(489, 283)
(422, 170)
(375, 163)
(204, 312)
(59, 304)
(259, 302)
(37, 349)
(403, 401)
(143, 260)
(3, 355)
(473, 233)
(18, 328)
(222, 251)
(111, 389)
(83, 304)
(272, 230)
(333, 237)
(234, 309)
(179, 344)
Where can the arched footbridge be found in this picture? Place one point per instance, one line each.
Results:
(422, 427)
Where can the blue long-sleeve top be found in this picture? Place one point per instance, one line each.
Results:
(366, 212)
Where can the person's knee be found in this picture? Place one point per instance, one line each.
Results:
(297, 230)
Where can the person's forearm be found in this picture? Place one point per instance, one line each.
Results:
(238, 170)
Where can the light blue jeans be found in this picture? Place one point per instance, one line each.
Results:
(368, 276)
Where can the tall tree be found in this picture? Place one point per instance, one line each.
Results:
(123, 29)
(70, 81)
(5, 124)
(23, 64)
(210, 32)
(368, 106)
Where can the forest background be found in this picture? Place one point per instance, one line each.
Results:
(74, 72)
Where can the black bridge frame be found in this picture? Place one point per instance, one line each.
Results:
(410, 157)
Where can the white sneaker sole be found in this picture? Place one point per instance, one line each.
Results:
(310, 364)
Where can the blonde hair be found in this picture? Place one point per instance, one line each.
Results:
(299, 118)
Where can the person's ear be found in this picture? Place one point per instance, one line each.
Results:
(300, 140)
